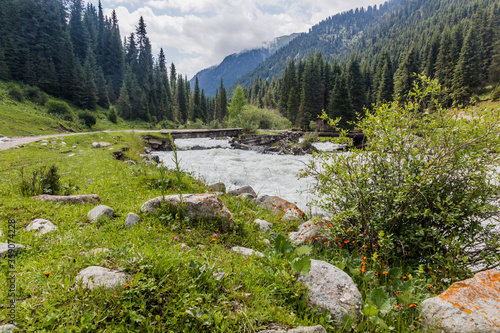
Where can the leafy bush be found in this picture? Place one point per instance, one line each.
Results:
(42, 181)
(112, 117)
(16, 93)
(35, 95)
(88, 118)
(60, 109)
(495, 94)
(308, 139)
(422, 188)
(252, 117)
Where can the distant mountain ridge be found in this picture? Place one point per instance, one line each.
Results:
(237, 64)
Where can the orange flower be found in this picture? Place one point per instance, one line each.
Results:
(316, 238)
(376, 274)
(279, 218)
(210, 189)
(420, 319)
(330, 225)
(214, 239)
(127, 286)
(300, 237)
(346, 241)
(397, 306)
(404, 277)
(430, 285)
(364, 257)
(325, 243)
(353, 242)
(363, 269)
(373, 245)
(47, 273)
(385, 272)
(413, 305)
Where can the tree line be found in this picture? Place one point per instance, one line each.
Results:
(464, 59)
(75, 52)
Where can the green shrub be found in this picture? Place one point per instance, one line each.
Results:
(16, 93)
(59, 109)
(42, 181)
(112, 117)
(88, 118)
(35, 95)
(252, 117)
(495, 94)
(421, 189)
(308, 139)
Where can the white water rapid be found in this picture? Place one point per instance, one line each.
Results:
(267, 174)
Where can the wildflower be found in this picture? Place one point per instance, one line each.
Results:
(325, 243)
(300, 237)
(364, 257)
(384, 272)
(245, 264)
(214, 239)
(330, 225)
(405, 277)
(215, 235)
(89, 180)
(316, 238)
(210, 189)
(363, 269)
(47, 274)
(127, 285)
(420, 319)
(279, 218)
(240, 198)
(430, 285)
(376, 274)
(176, 238)
(397, 306)
(373, 245)
(413, 305)
(346, 241)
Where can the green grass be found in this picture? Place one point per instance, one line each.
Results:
(28, 118)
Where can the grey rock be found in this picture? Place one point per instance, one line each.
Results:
(241, 190)
(331, 289)
(264, 225)
(78, 198)
(248, 196)
(73, 147)
(246, 251)
(5, 247)
(94, 277)
(278, 205)
(205, 206)
(311, 229)
(43, 144)
(41, 226)
(132, 219)
(292, 215)
(8, 328)
(99, 212)
(100, 144)
(472, 305)
(217, 187)
(300, 329)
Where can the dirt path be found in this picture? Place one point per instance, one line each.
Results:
(7, 143)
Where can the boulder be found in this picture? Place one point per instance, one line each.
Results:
(246, 251)
(311, 229)
(5, 247)
(242, 190)
(94, 277)
(78, 198)
(99, 212)
(100, 144)
(331, 289)
(472, 305)
(132, 219)
(264, 225)
(248, 196)
(278, 205)
(300, 329)
(8, 328)
(206, 206)
(217, 187)
(293, 215)
(41, 226)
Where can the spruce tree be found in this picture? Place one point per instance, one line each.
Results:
(466, 75)
(355, 85)
(340, 105)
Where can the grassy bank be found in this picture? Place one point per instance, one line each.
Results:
(173, 290)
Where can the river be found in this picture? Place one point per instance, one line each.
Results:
(267, 174)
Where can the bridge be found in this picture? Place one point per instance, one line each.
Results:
(159, 143)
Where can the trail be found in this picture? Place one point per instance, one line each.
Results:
(7, 143)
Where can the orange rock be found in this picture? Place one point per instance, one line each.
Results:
(472, 305)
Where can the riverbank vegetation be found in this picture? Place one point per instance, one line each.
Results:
(402, 236)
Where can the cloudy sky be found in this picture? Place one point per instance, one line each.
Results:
(196, 34)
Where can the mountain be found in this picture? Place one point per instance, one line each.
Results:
(394, 27)
(237, 64)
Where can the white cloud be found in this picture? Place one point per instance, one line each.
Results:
(204, 31)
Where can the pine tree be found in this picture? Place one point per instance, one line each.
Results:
(385, 88)
(355, 85)
(197, 111)
(466, 75)
(340, 104)
(79, 35)
(237, 103)
(406, 75)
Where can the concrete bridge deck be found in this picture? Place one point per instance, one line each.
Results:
(202, 133)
